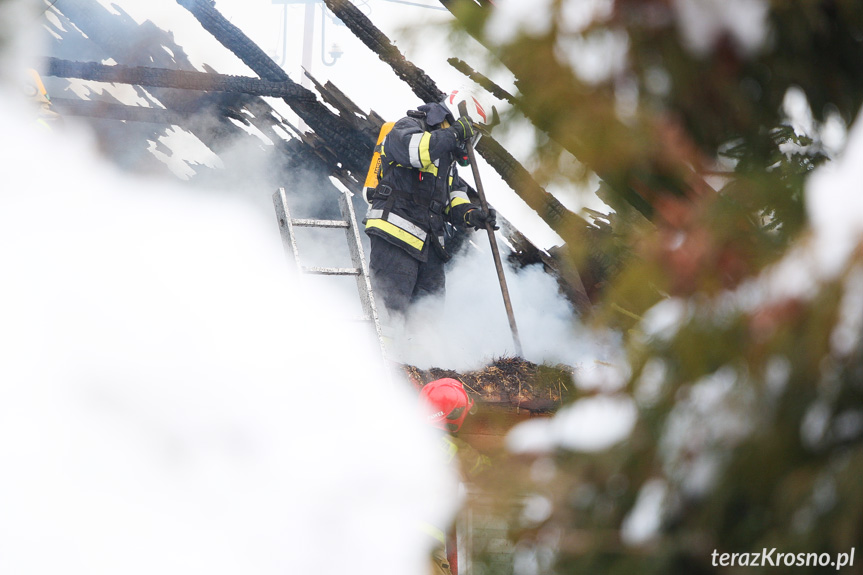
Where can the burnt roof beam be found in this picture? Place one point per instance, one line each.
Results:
(181, 79)
(422, 85)
(352, 146)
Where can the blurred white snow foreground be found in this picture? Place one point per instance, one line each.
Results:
(172, 402)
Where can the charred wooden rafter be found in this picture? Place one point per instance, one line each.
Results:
(213, 117)
(262, 116)
(183, 79)
(369, 124)
(121, 38)
(352, 146)
(481, 79)
(358, 23)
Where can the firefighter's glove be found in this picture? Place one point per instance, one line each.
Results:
(462, 157)
(479, 219)
(463, 129)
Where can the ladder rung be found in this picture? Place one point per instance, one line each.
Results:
(332, 271)
(307, 223)
(359, 271)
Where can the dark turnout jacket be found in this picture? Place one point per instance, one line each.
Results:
(419, 186)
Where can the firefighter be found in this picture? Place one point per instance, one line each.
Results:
(446, 404)
(418, 194)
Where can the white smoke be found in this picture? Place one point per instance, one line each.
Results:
(172, 400)
(470, 328)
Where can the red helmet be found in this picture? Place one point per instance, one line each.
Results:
(446, 403)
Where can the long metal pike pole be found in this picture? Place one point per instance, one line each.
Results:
(494, 250)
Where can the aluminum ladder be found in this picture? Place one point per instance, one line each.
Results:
(348, 223)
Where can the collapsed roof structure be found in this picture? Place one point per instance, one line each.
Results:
(219, 108)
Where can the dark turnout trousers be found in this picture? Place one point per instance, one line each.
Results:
(398, 279)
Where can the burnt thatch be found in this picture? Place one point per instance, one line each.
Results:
(509, 381)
